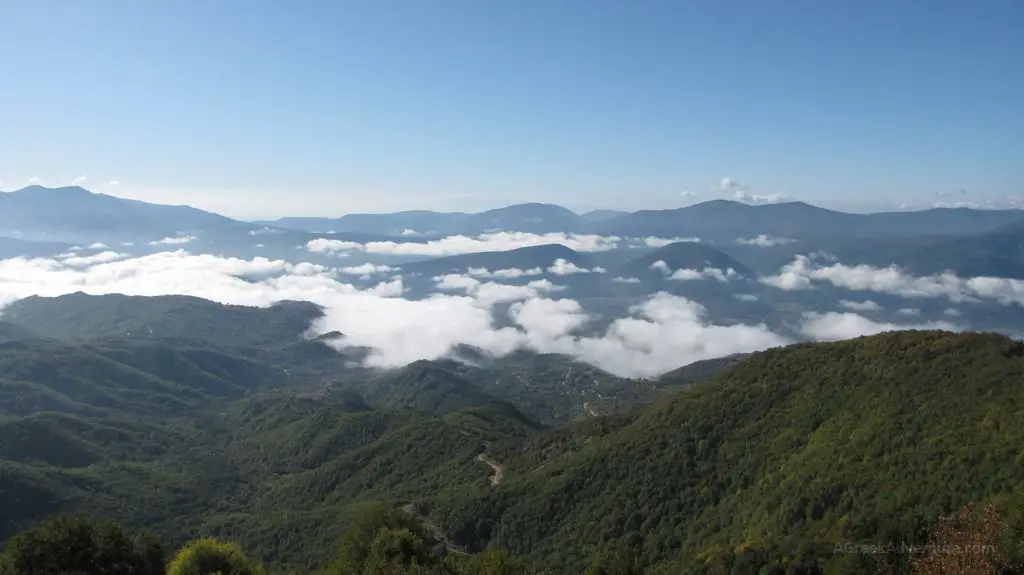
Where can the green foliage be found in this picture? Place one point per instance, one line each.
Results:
(211, 557)
(766, 466)
(68, 544)
(381, 537)
(772, 462)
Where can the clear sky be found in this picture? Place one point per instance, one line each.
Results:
(260, 108)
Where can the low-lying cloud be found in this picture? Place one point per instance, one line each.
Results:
(804, 271)
(563, 267)
(458, 245)
(763, 240)
(685, 274)
(658, 334)
(507, 273)
(834, 326)
(176, 240)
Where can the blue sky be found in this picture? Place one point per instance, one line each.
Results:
(321, 107)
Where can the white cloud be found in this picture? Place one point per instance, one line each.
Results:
(367, 269)
(833, 326)
(491, 293)
(34, 180)
(952, 312)
(749, 198)
(450, 282)
(623, 280)
(457, 245)
(661, 334)
(686, 275)
(563, 267)
(688, 194)
(169, 241)
(664, 332)
(263, 230)
(102, 257)
(866, 305)
(545, 285)
(763, 240)
(96, 246)
(727, 184)
(327, 246)
(393, 288)
(800, 274)
(508, 273)
(745, 296)
(692, 274)
(706, 273)
(79, 180)
(653, 242)
(114, 182)
(661, 266)
(741, 193)
(410, 232)
(909, 311)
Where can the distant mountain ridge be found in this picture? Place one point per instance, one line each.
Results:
(73, 214)
(530, 217)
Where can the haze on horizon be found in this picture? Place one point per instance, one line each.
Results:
(341, 107)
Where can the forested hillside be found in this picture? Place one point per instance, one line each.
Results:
(771, 463)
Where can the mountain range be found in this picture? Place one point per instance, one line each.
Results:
(74, 214)
(759, 461)
(720, 388)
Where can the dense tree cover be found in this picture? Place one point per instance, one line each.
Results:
(767, 467)
(787, 454)
(199, 349)
(381, 541)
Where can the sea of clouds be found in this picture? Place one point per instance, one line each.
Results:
(662, 332)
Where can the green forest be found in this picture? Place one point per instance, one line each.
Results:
(172, 454)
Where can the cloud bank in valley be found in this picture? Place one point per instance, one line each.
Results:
(660, 334)
(804, 271)
(458, 245)
(488, 242)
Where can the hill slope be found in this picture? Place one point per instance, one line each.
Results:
(785, 454)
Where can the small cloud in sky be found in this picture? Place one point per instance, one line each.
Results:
(114, 182)
(79, 180)
(33, 180)
(749, 198)
(729, 185)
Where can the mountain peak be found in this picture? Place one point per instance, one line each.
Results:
(62, 190)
